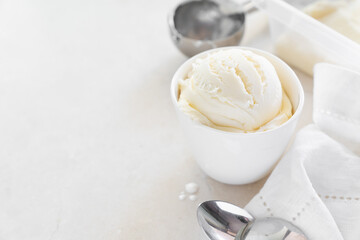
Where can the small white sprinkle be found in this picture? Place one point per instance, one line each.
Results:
(191, 188)
(192, 197)
(182, 196)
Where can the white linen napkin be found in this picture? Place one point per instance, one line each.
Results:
(316, 185)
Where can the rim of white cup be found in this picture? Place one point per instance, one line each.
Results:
(295, 115)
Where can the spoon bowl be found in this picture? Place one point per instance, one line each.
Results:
(199, 25)
(224, 221)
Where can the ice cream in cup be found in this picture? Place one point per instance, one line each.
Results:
(239, 108)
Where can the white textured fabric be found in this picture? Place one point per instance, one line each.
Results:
(316, 185)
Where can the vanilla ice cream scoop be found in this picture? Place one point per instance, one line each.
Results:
(234, 90)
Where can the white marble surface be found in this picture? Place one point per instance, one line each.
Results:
(90, 146)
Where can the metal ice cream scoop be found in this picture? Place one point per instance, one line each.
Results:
(225, 221)
(199, 25)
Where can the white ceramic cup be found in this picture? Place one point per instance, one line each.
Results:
(239, 158)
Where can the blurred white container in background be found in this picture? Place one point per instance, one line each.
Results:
(302, 41)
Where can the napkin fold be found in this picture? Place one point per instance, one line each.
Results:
(316, 185)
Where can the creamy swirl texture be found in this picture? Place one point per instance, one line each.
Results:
(234, 90)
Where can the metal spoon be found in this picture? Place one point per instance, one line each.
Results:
(199, 25)
(225, 221)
